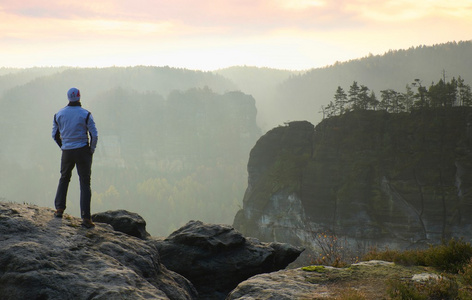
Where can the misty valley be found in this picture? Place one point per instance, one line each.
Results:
(173, 143)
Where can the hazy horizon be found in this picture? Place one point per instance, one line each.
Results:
(281, 34)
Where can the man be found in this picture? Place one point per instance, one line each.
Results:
(70, 130)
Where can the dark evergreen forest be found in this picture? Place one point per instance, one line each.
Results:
(443, 94)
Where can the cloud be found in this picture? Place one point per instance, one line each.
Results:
(242, 17)
(55, 8)
(406, 10)
(310, 32)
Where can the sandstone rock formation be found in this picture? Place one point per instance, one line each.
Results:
(42, 257)
(215, 258)
(397, 180)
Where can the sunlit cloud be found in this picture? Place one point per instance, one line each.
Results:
(206, 34)
(405, 10)
(300, 4)
(120, 28)
(56, 8)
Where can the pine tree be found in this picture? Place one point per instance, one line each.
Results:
(364, 97)
(386, 102)
(464, 94)
(421, 95)
(340, 100)
(353, 93)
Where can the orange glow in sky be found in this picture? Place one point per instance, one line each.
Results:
(208, 35)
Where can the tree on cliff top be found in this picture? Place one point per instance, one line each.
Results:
(440, 94)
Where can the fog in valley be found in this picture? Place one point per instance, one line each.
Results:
(174, 143)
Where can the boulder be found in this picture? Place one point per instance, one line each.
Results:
(216, 258)
(124, 221)
(42, 257)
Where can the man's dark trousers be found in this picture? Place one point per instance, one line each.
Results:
(82, 157)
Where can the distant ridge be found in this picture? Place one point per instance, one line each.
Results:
(283, 96)
(301, 96)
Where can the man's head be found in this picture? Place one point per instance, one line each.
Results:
(73, 95)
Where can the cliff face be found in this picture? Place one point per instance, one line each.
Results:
(372, 177)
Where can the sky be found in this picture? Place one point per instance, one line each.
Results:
(213, 34)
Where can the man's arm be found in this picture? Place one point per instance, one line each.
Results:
(92, 129)
(55, 133)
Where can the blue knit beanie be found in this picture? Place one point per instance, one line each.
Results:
(73, 95)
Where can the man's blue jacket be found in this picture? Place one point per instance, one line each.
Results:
(71, 125)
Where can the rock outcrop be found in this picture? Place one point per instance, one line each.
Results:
(215, 258)
(397, 180)
(42, 257)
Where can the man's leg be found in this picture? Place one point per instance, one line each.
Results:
(67, 165)
(84, 169)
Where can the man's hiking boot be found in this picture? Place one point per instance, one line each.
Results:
(87, 223)
(58, 213)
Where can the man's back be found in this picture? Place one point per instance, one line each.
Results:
(72, 124)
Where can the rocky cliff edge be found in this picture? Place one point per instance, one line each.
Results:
(42, 257)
